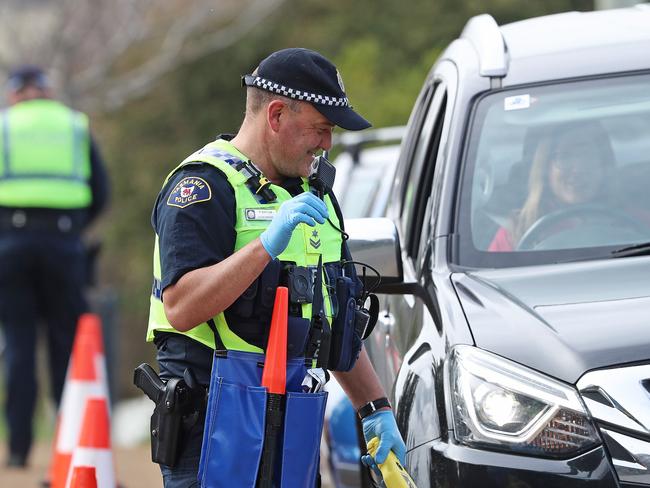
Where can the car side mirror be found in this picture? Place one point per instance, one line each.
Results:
(375, 241)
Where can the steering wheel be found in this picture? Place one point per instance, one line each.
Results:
(535, 234)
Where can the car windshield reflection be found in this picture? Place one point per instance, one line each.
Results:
(557, 171)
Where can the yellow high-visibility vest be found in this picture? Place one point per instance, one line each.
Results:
(44, 156)
(303, 249)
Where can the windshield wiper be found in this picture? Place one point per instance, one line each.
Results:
(642, 249)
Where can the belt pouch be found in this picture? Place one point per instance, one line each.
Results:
(346, 342)
(244, 305)
(297, 334)
(303, 426)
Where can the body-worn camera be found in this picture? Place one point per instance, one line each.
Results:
(301, 284)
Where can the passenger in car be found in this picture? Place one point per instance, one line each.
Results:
(570, 166)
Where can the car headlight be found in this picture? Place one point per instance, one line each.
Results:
(497, 403)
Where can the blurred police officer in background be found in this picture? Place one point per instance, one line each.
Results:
(52, 186)
(217, 241)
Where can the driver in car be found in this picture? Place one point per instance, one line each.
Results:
(571, 168)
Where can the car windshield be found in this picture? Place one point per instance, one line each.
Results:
(556, 173)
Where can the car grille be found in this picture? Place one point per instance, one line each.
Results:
(619, 401)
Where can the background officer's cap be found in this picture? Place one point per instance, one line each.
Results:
(306, 75)
(25, 75)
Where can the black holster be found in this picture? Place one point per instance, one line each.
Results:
(178, 408)
(166, 423)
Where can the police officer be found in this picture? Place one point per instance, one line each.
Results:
(213, 253)
(52, 185)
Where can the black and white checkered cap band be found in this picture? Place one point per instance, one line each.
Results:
(274, 87)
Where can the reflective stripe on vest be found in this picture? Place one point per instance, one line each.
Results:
(45, 156)
(305, 247)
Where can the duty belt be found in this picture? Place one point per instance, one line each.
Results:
(24, 219)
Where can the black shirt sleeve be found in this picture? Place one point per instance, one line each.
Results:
(194, 233)
(98, 182)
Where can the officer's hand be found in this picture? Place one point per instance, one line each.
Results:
(306, 208)
(382, 424)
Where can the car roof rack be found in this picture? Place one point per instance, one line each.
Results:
(484, 34)
(382, 134)
(353, 141)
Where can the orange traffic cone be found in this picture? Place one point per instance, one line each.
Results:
(274, 378)
(274, 375)
(83, 477)
(94, 448)
(86, 378)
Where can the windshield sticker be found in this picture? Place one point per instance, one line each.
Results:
(517, 102)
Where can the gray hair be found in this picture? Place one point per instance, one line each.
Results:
(257, 98)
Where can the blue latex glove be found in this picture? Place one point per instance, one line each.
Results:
(306, 208)
(382, 424)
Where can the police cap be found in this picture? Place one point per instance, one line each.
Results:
(306, 75)
(27, 74)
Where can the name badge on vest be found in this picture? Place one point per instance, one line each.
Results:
(259, 214)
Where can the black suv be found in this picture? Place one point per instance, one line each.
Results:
(515, 324)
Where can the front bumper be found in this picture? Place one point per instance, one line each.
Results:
(438, 464)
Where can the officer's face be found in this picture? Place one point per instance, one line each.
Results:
(302, 135)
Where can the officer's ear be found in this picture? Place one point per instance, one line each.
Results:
(276, 111)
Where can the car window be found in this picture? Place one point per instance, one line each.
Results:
(422, 160)
(424, 192)
(365, 178)
(413, 142)
(557, 172)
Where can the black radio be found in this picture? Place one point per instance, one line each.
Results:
(322, 176)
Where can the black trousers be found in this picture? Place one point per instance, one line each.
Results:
(175, 353)
(42, 276)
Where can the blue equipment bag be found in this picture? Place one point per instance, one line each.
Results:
(235, 422)
(303, 425)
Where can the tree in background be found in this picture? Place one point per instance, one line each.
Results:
(107, 52)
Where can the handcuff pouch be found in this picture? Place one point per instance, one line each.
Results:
(297, 335)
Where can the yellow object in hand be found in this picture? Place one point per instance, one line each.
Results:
(394, 474)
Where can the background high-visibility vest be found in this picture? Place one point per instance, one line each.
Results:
(44, 156)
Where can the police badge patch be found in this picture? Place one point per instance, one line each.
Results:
(188, 191)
